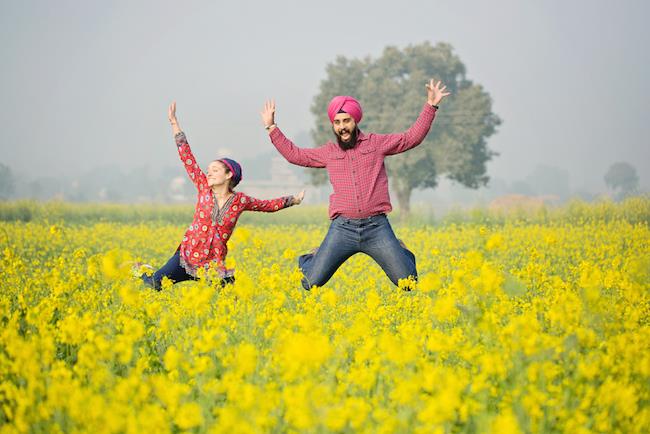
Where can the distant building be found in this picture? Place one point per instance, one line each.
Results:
(178, 189)
(519, 201)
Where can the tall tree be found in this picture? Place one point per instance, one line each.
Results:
(553, 180)
(391, 92)
(622, 177)
(6, 182)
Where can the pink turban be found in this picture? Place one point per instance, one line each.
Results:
(347, 104)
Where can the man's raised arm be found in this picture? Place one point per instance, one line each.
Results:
(315, 157)
(396, 143)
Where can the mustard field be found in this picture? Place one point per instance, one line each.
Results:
(516, 325)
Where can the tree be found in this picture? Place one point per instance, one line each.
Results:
(6, 182)
(391, 91)
(522, 187)
(622, 177)
(550, 180)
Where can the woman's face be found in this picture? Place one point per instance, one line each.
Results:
(218, 174)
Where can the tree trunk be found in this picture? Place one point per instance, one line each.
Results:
(404, 200)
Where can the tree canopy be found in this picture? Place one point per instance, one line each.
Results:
(622, 177)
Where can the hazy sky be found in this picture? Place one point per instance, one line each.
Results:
(86, 83)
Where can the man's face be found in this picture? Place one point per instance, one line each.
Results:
(344, 126)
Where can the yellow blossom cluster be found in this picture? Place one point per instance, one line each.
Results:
(512, 327)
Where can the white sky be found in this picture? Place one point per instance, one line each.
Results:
(86, 83)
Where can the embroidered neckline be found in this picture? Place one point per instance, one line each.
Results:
(219, 213)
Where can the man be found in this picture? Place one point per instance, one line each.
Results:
(358, 206)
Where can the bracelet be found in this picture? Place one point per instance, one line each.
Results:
(270, 126)
(435, 107)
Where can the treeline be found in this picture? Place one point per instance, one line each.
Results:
(635, 210)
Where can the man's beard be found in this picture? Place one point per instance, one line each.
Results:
(351, 142)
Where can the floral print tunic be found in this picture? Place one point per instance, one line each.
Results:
(205, 241)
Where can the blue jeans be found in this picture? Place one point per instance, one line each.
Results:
(373, 236)
(174, 271)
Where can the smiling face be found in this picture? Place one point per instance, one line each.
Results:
(344, 126)
(218, 174)
(346, 131)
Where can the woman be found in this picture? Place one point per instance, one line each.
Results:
(218, 208)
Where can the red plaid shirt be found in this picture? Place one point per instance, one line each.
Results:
(358, 175)
(205, 241)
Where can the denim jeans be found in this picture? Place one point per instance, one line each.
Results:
(174, 271)
(373, 236)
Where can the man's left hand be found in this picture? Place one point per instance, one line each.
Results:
(435, 93)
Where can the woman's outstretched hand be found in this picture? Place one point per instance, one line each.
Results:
(297, 199)
(171, 113)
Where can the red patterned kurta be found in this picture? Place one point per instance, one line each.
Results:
(206, 239)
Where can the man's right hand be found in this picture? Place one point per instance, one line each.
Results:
(268, 115)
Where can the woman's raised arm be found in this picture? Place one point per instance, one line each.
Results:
(185, 152)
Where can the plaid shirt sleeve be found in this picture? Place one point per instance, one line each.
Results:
(189, 162)
(306, 157)
(391, 144)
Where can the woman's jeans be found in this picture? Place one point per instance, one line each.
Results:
(372, 236)
(174, 271)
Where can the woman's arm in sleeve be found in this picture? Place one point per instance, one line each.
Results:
(185, 152)
(271, 205)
